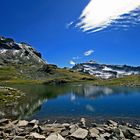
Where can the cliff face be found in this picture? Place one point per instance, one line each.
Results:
(18, 53)
(105, 71)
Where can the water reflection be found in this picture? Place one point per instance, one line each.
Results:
(71, 100)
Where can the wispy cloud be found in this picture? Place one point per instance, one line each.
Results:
(72, 62)
(100, 14)
(88, 53)
(68, 25)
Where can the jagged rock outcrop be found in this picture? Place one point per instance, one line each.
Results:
(105, 71)
(18, 53)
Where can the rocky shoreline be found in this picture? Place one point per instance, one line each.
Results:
(35, 130)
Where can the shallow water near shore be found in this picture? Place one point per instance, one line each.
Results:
(73, 101)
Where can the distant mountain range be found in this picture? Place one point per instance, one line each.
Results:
(105, 71)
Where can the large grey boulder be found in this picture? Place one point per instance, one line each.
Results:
(80, 133)
(22, 123)
(37, 136)
(55, 137)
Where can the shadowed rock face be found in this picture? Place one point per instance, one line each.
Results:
(105, 71)
(18, 53)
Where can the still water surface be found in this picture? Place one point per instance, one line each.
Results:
(78, 100)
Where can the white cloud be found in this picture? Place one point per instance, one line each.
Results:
(99, 14)
(72, 62)
(68, 25)
(88, 53)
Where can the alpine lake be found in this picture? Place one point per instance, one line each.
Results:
(73, 101)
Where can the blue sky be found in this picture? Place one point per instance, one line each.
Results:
(44, 25)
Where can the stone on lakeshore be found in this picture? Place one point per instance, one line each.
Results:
(65, 133)
(110, 122)
(19, 138)
(128, 132)
(55, 137)
(33, 122)
(100, 129)
(66, 124)
(35, 126)
(80, 133)
(4, 121)
(83, 121)
(53, 128)
(37, 136)
(105, 135)
(94, 132)
(137, 135)
(73, 128)
(15, 122)
(22, 123)
(100, 138)
(133, 131)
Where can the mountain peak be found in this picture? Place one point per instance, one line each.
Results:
(19, 53)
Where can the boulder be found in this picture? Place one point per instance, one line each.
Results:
(4, 121)
(110, 122)
(83, 122)
(105, 135)
(22, 123)
(94, 133)
(65, 133)
(19, 138)
(37, 136)
(34, 122)
(80, 133)
(55, 137)
(73, 128)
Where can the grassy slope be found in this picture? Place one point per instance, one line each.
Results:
(133, 80)
(12, 75)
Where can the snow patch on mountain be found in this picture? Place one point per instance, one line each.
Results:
(104, 71)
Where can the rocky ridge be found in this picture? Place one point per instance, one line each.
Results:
(12, 52)
(35, 130)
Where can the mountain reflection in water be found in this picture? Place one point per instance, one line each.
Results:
(73, 100)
